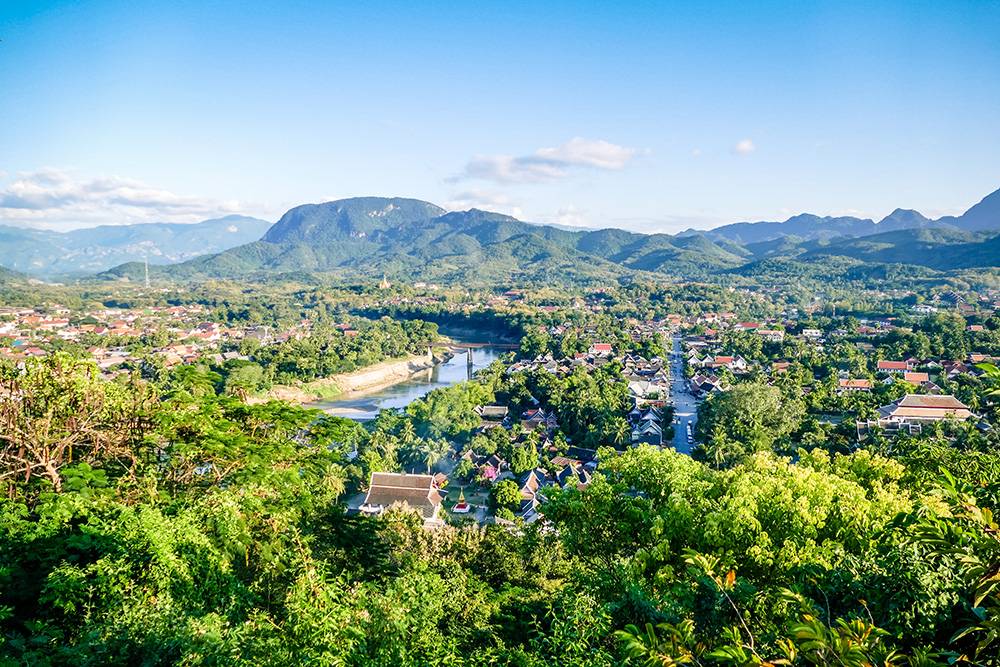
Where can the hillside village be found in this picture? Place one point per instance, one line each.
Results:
(851, 377)
(717, 351)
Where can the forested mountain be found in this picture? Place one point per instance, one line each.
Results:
(6, 275)
(805, 225)
(982, 217)
(83, 251)
(409, 238)
(939, 248)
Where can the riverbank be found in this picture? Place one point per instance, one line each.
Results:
(356, 383)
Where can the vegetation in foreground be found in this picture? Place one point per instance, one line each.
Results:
(167, 524)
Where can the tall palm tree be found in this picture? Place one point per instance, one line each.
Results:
(433, 451)
(620, 431)
(407, 433)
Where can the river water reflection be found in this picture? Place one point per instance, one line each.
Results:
(456, 369)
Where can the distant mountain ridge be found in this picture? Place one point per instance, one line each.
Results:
(367, 236)
(984, 216)
(94, 249)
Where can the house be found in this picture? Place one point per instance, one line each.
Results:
(531, 484)
(914, 377)
(930, 388)
(771, 335)
(847, 385)
(601, 349)
(956, 368)
(537, 418)
(415, 492)
(647, 432)
(704, 384)
(528, 509)
(490, 466)
(496, 413)
(586, 456)
(892, 367)
(736, 364)
(920, 409)
(646, 389)
(573, 475)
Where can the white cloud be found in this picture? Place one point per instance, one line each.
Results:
(61, 199)
(548, 164)
(695, 152)
(744, 147)
(568, 216)
(486, 200)
(591, 153)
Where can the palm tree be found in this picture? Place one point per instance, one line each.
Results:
(433, 451)
(407, 433)
(620, 431)
(721, 449)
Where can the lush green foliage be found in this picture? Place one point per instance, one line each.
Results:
(166, 521)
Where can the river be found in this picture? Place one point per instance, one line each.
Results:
(456, 369)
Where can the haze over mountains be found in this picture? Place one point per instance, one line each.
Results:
(982, 217)
(367, 236)
(91, 250)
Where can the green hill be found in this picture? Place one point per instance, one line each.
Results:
(938, 248)
(412, 239)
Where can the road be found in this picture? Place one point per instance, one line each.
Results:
(685, 405)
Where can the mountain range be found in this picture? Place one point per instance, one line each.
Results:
(984, 216)
(91, 250)
(409, 238)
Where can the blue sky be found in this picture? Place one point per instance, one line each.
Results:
(649, 116)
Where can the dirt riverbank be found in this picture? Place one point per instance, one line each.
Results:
(356, 383)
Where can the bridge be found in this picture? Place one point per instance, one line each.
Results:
(473, 346)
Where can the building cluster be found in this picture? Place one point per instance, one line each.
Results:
(110, 334)
(711, 366)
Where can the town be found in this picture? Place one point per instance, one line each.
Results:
(584, 379)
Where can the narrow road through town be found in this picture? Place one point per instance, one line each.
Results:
(685, 406)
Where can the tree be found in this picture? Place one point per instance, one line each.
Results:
(58, 411)
(523, 458)
(970, 539)
(535, 342)
(753, 415)
(433, 451)
(621, 432)
(244, 380)
(464, 470)
(505, 494)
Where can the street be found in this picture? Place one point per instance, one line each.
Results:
(685, 405)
